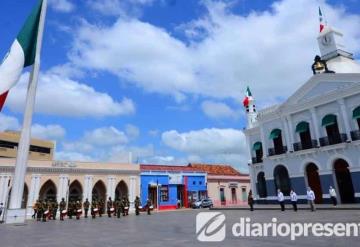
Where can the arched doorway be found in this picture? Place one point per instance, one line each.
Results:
(313, 178)
(24, 198)
(75, 191)
(99, 191)
(276, 136)
(303, 130)
(344, 181)
(48, 191)
(261, 185)
(121, 190)
(282, 180)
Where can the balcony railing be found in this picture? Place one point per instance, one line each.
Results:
(277, 150)
(298, 146)
(355, 135)
(256, 160)
(326, 141)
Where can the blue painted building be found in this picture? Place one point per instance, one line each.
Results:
(168, 185)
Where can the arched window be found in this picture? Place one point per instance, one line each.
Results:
(261, 185)
(99, 191)
(75, 191)
(282, 179)
(257, 147)
(276, 136)
(355, 134)
(48, 191)
(303, 130)
(329, 122)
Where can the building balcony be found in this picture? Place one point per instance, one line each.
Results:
(326, 141)
(256, 160)
(298, 146)
(277, 150)
(355, 135)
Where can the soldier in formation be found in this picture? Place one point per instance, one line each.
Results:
(94, 208)
(109, 207)
(62, 209)
(86, 207)
(137, 205)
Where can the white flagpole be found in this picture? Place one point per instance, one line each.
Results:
(15, 212)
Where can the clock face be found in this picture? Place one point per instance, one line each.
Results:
(326, 40)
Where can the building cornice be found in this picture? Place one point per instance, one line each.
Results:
(67, 170)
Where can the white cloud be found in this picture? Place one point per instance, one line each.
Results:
(72, 156)
(59, 95)
(48, 132)
(8, 122)
(218, 110)
(121, 153)
(64, 6)
(271, 50)
(132, 131)
(123, 8)
(206, 141)
(105, 136)
(210, 145)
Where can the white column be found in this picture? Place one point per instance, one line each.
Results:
(249, 144)
(33, 194)
(345, 117)
(4, 189)
(63, 187)
(110, 191)
(315, 122)
(263, 141)
(291, 130)
(88, 187)
(132, 190)
(287, 134)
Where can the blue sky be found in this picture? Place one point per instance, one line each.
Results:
(164, 79)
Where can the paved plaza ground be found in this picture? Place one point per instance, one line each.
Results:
(175, 228)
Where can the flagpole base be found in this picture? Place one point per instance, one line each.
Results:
(15, 216)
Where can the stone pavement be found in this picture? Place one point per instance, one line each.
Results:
(176, 228)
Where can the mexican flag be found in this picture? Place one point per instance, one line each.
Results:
(321, 20)
(248, 97)
(21, 54)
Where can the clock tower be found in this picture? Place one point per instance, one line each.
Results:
(333, 52)
(331, 44)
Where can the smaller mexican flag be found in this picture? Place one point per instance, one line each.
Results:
(21, 54)
(248, 97)
(321, 20)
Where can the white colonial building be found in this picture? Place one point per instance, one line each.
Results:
(313, 138)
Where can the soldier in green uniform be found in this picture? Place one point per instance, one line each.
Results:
(137, 205)
(55, 209)
(70, 209)
(148, 206)
(101, 207)
(39, 211)
(118, 207)
(45, 210)
(109, 205)
(86, 205)
(123, 204)
(93, 207)
(127, 203)
(50, 208)
(62, 207)
(36, 209)
(78, 209)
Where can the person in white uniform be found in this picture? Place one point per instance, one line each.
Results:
(281, 200)
(293, 198)
(311, 198)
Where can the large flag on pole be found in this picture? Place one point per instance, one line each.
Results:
(21, 54)
(248, 97)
